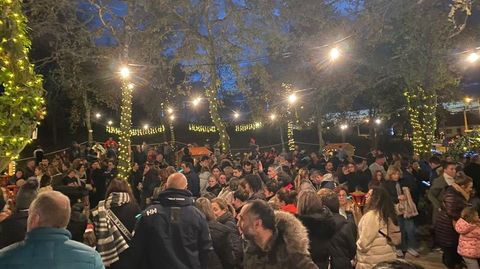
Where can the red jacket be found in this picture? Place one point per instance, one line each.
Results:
(290, 208)
(469, 243)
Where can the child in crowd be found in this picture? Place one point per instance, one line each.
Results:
(468, 226)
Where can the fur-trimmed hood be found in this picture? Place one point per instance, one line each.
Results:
(292, 232)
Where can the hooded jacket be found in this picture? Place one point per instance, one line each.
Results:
(172, 233)
(288, 247)
(469, 243)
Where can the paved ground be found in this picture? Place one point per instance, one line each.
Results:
(431, 260)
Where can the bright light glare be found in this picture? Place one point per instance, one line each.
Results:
(334, 54)
(292, 98)
(378, 121)
(367, 120)
(98, 115)
(473, 57)
(169, 110)
(110, 122)
(343, 127)
(273, 117)
(172, 117)
(145, 126)
(236, 115)
(468, 99)
(130, 86)
(124, 72)
(196, 101)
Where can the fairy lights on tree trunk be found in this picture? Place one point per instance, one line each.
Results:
(21, 105)
(422, 107)
(125, 134)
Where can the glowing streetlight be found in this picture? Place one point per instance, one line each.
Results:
(236, 115)
(110, 122)
(145, 126)
(473, 57)
(367, 120)
(273, 117)
(98, 115)
(334, 54)
(169, 110)
(343, 127)
(124, 72)
(292, 98)
(378, 121)
(196, 101)
(467, 100)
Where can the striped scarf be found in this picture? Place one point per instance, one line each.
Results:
(110, 241)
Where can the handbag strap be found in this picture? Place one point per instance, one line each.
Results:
(119, 225)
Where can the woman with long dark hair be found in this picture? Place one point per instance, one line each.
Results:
(113, 222)
(372, 244)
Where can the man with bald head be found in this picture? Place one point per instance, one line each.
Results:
(47, 243)
(172, 232)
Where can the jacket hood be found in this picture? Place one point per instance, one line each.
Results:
(226, 217)
(327, 177)
(293, 233)
(463, 227)
(319, 225)
(175, 197)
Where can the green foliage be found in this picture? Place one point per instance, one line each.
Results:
(468, 142)
(21, 103)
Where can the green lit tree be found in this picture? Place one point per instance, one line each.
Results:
(21, 102)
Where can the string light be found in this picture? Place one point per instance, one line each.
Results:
(98, 115)
(110, 122)
(124, 72)
(145, 126)
(169, 110)
(137, 131)
(236, 115)
(22, 96)
(273, 117)
(125, 129)
(248, 127)
(202, 128)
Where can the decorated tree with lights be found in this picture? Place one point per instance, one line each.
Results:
(21, 101)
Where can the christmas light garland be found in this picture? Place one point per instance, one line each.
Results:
(21, 105)
(137, 131)
(125, 131)
(248, 127)
(202, 128)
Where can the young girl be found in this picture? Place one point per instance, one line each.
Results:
(468, 226)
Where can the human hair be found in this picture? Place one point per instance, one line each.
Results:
(287, 196)
(223, 204)
(41, 169)
(316, 172)
(261, 210)
(26, 194)
(329, 199)
(118, 185)
(240, 195)
(308, 202)
(470, 214)
(393, 170)
(462, 179)
(52, 208)
(205, 206)
(233, 183)
(188, 164)
(447, 164)
(435, 160)
(380, 201)
(379, 156)
(397, 264)
(273, 186)
(255, 182)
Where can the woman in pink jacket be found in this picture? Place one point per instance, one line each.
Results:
(468, 226)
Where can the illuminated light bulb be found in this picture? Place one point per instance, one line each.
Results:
(334, 54)
(343, 127)
(236, 115)
(130, 86)
(169, 110)
(473, 57)
(145, 126)
(124, 72)
(110, 122)
(292, 98)
(273, 117)
(98, 115)
(172, 117)
(196, 101)
(378, 121)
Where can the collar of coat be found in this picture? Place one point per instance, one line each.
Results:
(288, 231)
(175, 197)
(461, 191)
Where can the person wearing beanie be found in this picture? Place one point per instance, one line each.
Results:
(14, 228)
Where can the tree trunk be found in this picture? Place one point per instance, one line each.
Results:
(88, 119)
(212, 91)
(321, 142)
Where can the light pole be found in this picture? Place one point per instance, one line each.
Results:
(125, 123)
(292, 99)
(467, 102)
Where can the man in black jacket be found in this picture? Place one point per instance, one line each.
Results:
(192, 178)
(172, 232)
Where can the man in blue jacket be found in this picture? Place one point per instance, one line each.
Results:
(47, 243)
(172, 232)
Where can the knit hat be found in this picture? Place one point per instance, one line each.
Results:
(26, 194)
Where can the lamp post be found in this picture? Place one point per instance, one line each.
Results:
(125, 123)
(292, 99)
(467, 102)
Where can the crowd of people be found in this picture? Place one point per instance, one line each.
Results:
(257, 210)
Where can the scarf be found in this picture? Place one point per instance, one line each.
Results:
(110, 241)
(461, 191)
